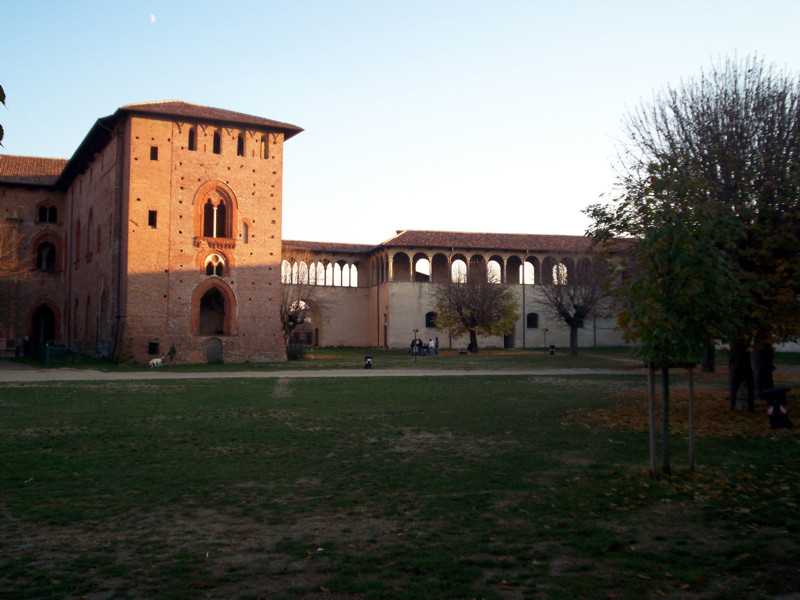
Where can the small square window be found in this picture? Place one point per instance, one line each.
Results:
(153, 348)
(152, 218)
(153, 152)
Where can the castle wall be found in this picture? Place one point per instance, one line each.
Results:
(19, 208)
(167, 275)
(93, 264)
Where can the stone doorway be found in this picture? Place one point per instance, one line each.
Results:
(212, 313)
(214, 350)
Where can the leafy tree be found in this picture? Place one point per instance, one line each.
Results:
(476, 305)
(729, 142)
(675, 286)
(577, 299)
(3, 102)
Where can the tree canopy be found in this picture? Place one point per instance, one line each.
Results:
(475, 305)
(709, 186)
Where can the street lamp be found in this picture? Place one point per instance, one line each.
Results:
(545, 340)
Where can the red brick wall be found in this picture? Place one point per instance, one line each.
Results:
(19, 210)
(165, 264)
(93, 261)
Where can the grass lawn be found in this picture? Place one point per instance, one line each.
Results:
(353, 358)
(441, 487)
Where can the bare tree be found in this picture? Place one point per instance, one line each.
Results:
(576, 297)
(726, 144)
(14, 269)
(298, 291)
(474, 305)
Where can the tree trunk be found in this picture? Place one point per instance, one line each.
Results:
(708, 363)
(763, 361)
(473, 341)
(741, 373)
(573, 340)
(665, 393)
(691, 419)
(651, 412)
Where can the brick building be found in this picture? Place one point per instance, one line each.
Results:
(164, 228)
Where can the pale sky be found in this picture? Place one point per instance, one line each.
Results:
(498, 116)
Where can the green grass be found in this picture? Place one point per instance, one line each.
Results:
(353, 358)
(441, 487)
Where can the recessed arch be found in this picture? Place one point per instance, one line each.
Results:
(44, 322)
(421, 267)
(213, 309)
(215, 211)
(401, 267)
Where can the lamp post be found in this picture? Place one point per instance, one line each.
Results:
(545, 340)
(415, 346)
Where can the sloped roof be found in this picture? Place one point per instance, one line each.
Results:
(30, 170)
(178, 108)
(330, 247)
(489, 241)
(101, 132)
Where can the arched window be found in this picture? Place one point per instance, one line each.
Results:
(458, 271)
(264, 147)
(192, 138)
(215, 265)
(212, 313)
(533, 321)
(90, 232)
(214, 215)
(46, 257)
(430, 319)
(560, 274)
(217, 144)
(240, 145)
(43, 324)
(47, 214)
(77, 239)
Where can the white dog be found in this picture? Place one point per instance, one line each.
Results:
(156, 362)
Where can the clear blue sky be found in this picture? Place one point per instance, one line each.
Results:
(497, 116)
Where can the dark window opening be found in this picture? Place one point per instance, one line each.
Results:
(47, 214)
(217, 143)
(240, 145)
(154, 348)
(193, 139)
(153, 152)
(533, 321)
(212, 313)
(214, 269)
(46, 257)
(430, 320)
(214, 220)
(44, 325)
(152, 218)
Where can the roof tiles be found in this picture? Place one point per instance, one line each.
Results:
(30, 170)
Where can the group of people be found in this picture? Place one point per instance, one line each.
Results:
(420, 348)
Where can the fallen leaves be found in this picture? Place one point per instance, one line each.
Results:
(712, 416)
